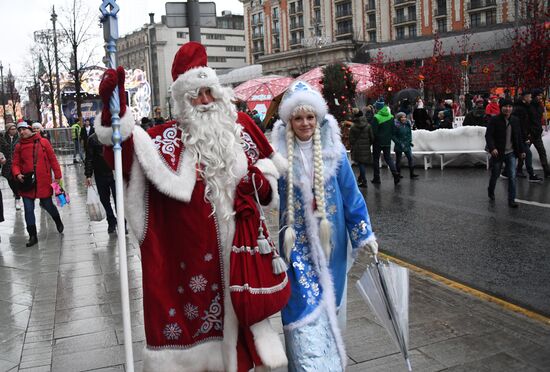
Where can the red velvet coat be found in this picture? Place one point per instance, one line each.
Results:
(189, 320)
(46, 162)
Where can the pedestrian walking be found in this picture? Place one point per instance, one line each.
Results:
(85, 133)
(185, 179)
(382, 127)
(38, 128)
(537, 113)
(33, 164)
(421, 117)
(7, 147)
(322, 211)
(75, 135)
(522, 111)
(360, 140)
(504, 143)
(95, 165)
(402, 139)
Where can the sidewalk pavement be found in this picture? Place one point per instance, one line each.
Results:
(60, 308)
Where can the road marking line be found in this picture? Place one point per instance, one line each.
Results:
(533, 203)
(469, 290)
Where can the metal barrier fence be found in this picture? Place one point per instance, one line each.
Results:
(61, 140)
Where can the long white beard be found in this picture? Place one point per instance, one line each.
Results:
(213, 137)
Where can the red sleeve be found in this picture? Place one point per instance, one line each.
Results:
(15, 168)
(127, 156)
(51, 158)
(256, 134)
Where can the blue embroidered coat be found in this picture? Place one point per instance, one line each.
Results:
(317, 283)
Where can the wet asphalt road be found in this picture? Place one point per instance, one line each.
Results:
(444, 222)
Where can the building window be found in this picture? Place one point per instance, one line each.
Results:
(345, 27)
(181, 35)
(412, 13)
(372, 36)
(412, 31)
(343, 10)
(276, 29)
(216, 59)
(276, 43)
(214, 36)
(400, 33)
(372, 21)
(442, 25)
(491, 17)
(475, 19)
(234, 48)
(275, 13)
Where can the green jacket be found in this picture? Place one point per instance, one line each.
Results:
(402, 137)
(382, 126)
(75, 132)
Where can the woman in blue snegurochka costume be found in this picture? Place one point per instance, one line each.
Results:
(324, 222)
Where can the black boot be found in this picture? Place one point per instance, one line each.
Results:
(58, 223)
(413, 176)
(376, 180)
(33, 239)
(396, 178)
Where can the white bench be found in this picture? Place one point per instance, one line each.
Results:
(442, 154)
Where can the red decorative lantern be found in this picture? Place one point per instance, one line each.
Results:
(421, 77)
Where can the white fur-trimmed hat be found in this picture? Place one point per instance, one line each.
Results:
(301, 93)
(190, 71)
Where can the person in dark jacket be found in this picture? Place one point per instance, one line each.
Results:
(421, 117)
(382, 127)
(522, 111)
(402, 139)
(7, 147)
(477, 116)
(95, 165)
(537, 112)
(35, 153)
(361, 139)
(85, 133)
(504, 143)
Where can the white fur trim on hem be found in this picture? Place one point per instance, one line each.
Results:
(105, 134)
(268, 345)
(203, 357)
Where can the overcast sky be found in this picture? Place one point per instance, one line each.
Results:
(20, 18)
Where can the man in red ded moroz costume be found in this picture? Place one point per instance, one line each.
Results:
(189, 185)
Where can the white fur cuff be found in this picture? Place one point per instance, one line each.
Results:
(268, 345)
(105, 134)
(270, 171)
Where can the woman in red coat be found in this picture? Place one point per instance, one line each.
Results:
(32, 147)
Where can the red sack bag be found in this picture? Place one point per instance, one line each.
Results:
(258, 282)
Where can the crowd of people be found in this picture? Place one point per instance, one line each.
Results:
(209, 174)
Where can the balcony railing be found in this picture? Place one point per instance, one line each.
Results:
(257, 35)
(404, 19)
(296, 10)
(439, 12)
(370, 25)
(480, 4)
(403, 2)
(295, 42)
(257, 50)
(344, 13)
(295, 25)
(344, 31)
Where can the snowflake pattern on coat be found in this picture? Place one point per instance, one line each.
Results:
(191, 311)
(172, 331)
(198, 283)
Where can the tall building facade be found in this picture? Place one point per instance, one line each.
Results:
(289, 37)
(153, 47)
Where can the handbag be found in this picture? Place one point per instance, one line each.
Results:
(96, 211)
(29, 178)
(258, 282)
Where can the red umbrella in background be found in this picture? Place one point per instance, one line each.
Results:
(259, 92)
(363, 74)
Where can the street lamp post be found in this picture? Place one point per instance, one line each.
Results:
(2, 79)
(109, 10)
(54, 19)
